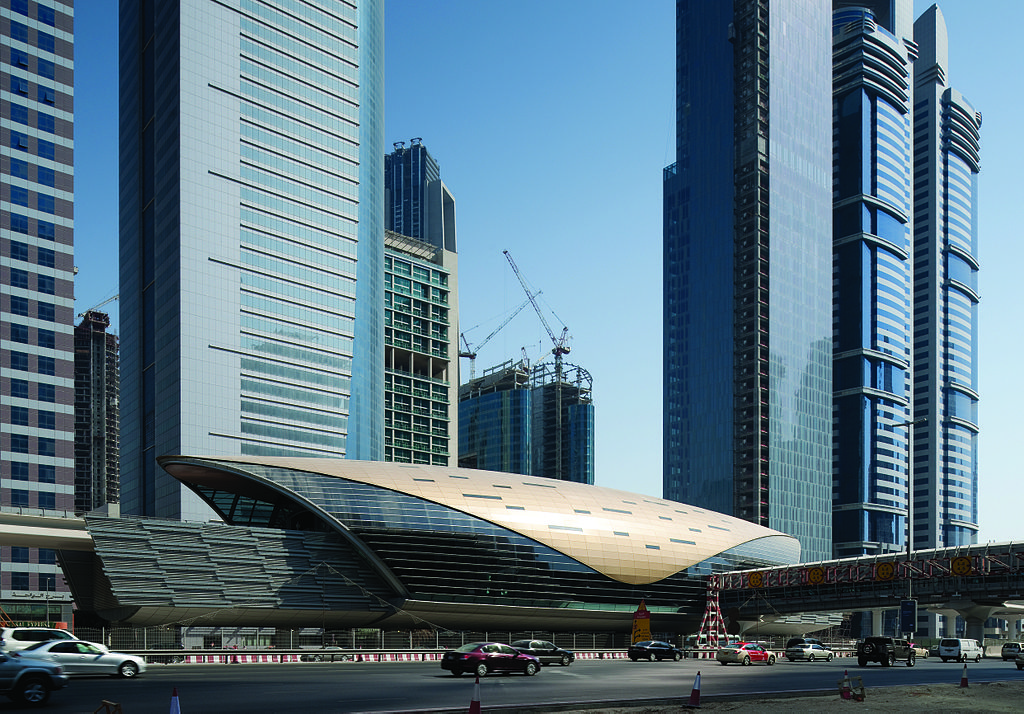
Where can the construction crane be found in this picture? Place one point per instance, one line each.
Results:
(560, 343)
(560, 347)
(97, 307)
(471, 353)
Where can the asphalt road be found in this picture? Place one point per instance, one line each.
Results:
(349, 687)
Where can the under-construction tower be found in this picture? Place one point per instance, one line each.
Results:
(97, 416)
(536, 421)
(495, 420)
(563, 422)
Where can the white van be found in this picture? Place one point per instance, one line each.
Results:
(959, 650)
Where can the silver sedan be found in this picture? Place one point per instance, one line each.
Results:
(80, 657)
(809, 652)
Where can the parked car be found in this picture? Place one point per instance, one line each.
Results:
(808, 651)
(29, 682)
(329, 654)
(745, 653)
(887, 651)
(651, 650)
(481, 658)
(959, 650)
(920, 651)
(546, 652)
(81, 657)
(13, 639)
(1011, 650)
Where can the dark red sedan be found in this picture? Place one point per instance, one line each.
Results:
(483, 657)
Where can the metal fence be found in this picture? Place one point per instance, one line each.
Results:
(193, 638)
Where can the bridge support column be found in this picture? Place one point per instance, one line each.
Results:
(877, 620)
(975, 618)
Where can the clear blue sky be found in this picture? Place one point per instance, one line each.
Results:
(552, 120)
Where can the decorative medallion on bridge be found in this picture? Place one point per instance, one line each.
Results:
(756, 580)
(816, 576)
(885, 571)
(960, 566)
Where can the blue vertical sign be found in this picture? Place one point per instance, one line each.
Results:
(908, 615)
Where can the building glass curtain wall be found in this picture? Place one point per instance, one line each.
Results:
(417, 203)
(97, 388)
(420, 357)
(747, 324)
(37, 388)
(871, 278)
(946, 165)
(251, 240)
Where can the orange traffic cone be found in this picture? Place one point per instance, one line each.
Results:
(845, 690)
(175, 707)
(694, 702)
(474, 706)
(963, 678)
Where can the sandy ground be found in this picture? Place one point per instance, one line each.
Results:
(930, 698)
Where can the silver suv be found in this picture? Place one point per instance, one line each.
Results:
(1011, 650)
(13, 639)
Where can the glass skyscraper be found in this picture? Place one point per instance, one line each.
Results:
(421, 311)
(906, 164)
(946, 165)
(747, 256)
(873, 56)
(252, 237)
(37, 388)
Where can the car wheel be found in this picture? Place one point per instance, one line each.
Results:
(481, 670)
(632, 658)
(829, 658)
(771, 660)
(456, 672)
(746, 660)
(911, 660)
(565, 660)
(32, 692)
(723, 663)
(862, 662)
(963, 658)
(128, 669)
(945, 659)
(810, 657)
(676, 657)
(530, 669)
(1020, 666)
(650, 658)
(889, 660)
(977, 658)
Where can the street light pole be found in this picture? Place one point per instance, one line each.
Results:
(910, 500)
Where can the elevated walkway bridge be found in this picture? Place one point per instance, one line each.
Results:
(975, 582)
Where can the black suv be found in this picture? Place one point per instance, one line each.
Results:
(885, 650)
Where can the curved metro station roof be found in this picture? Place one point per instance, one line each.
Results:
(627, 537)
